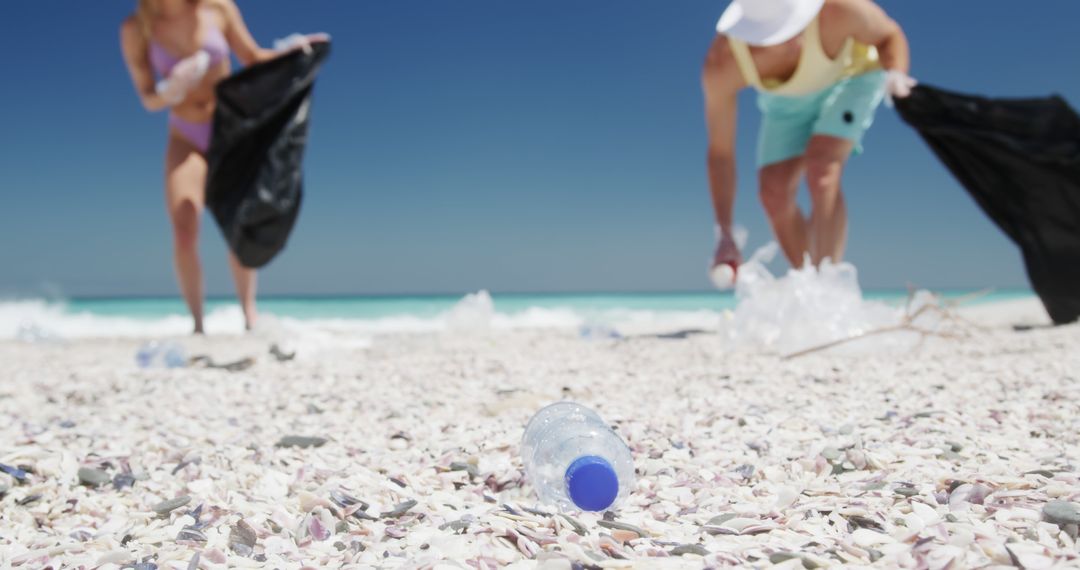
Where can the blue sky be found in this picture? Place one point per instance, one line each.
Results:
(509, 145)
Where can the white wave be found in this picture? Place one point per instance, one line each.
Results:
(37, 320)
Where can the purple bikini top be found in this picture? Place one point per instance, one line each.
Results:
(214, 44)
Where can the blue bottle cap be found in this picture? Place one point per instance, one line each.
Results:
(592, 483)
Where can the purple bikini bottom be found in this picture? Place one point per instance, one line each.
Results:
(198, 134)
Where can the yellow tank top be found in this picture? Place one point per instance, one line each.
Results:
(816, 71)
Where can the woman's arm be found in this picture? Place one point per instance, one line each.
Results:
(239, 37)
(870, 25)
(134, 47)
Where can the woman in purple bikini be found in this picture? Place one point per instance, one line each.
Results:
(176, 52)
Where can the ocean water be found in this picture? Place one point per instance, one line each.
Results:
(165, 316)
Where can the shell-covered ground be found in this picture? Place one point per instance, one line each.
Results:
(404, 454)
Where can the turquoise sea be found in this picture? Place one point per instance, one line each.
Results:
(374, 314)
(427, 306)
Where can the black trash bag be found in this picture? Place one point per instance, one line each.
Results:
(255, 181)
(1020, 160)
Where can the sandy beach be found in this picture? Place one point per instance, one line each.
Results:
(956, 454)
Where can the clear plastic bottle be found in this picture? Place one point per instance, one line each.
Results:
(155, 354)
(574, 460)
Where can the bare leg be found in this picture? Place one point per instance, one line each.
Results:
(779, 186)
(185, 178)
(245, 280)
(825, 159)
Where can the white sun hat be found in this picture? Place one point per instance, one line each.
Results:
(767, 22)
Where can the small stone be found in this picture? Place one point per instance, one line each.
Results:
(616, 525)
(1061, 513)
(720, 519)
(955, 446)
(578, 527)
(781, 557)
(399, 510)
(906, 491)
(123, 481)
(1041, 473)
(831, 454)
(165, 507)
(683, 549)
(467, 467)
(459, 525)
(242, 539)
(93, 477)
(301, 441)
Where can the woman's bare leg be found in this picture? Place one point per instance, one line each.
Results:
(779, 184)
(245, 280)
(185, 180)
(825, 160)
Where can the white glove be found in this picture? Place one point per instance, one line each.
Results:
(184, 77)
(897, 85)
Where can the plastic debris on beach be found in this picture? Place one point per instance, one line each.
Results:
(156, 354)
(474, 313)
(598, 331)
(817, 306)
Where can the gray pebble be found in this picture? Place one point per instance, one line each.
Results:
(906, 491)
(93, 477)
(578, 527)
(456, 526)
(720, 519)
(399, 510)
(831, 453)
(1061, 513)
(689, 549)
(165, 507)
(616, 525)
(301, 441)
(781, 557)
(122, 481)
(467, 467)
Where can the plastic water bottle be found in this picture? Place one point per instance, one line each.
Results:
(574, 460)
(155, 354)
(595, 331)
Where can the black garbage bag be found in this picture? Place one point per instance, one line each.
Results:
(255, 181)
(1020, 160)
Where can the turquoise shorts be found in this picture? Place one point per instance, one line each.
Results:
(845, 110)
